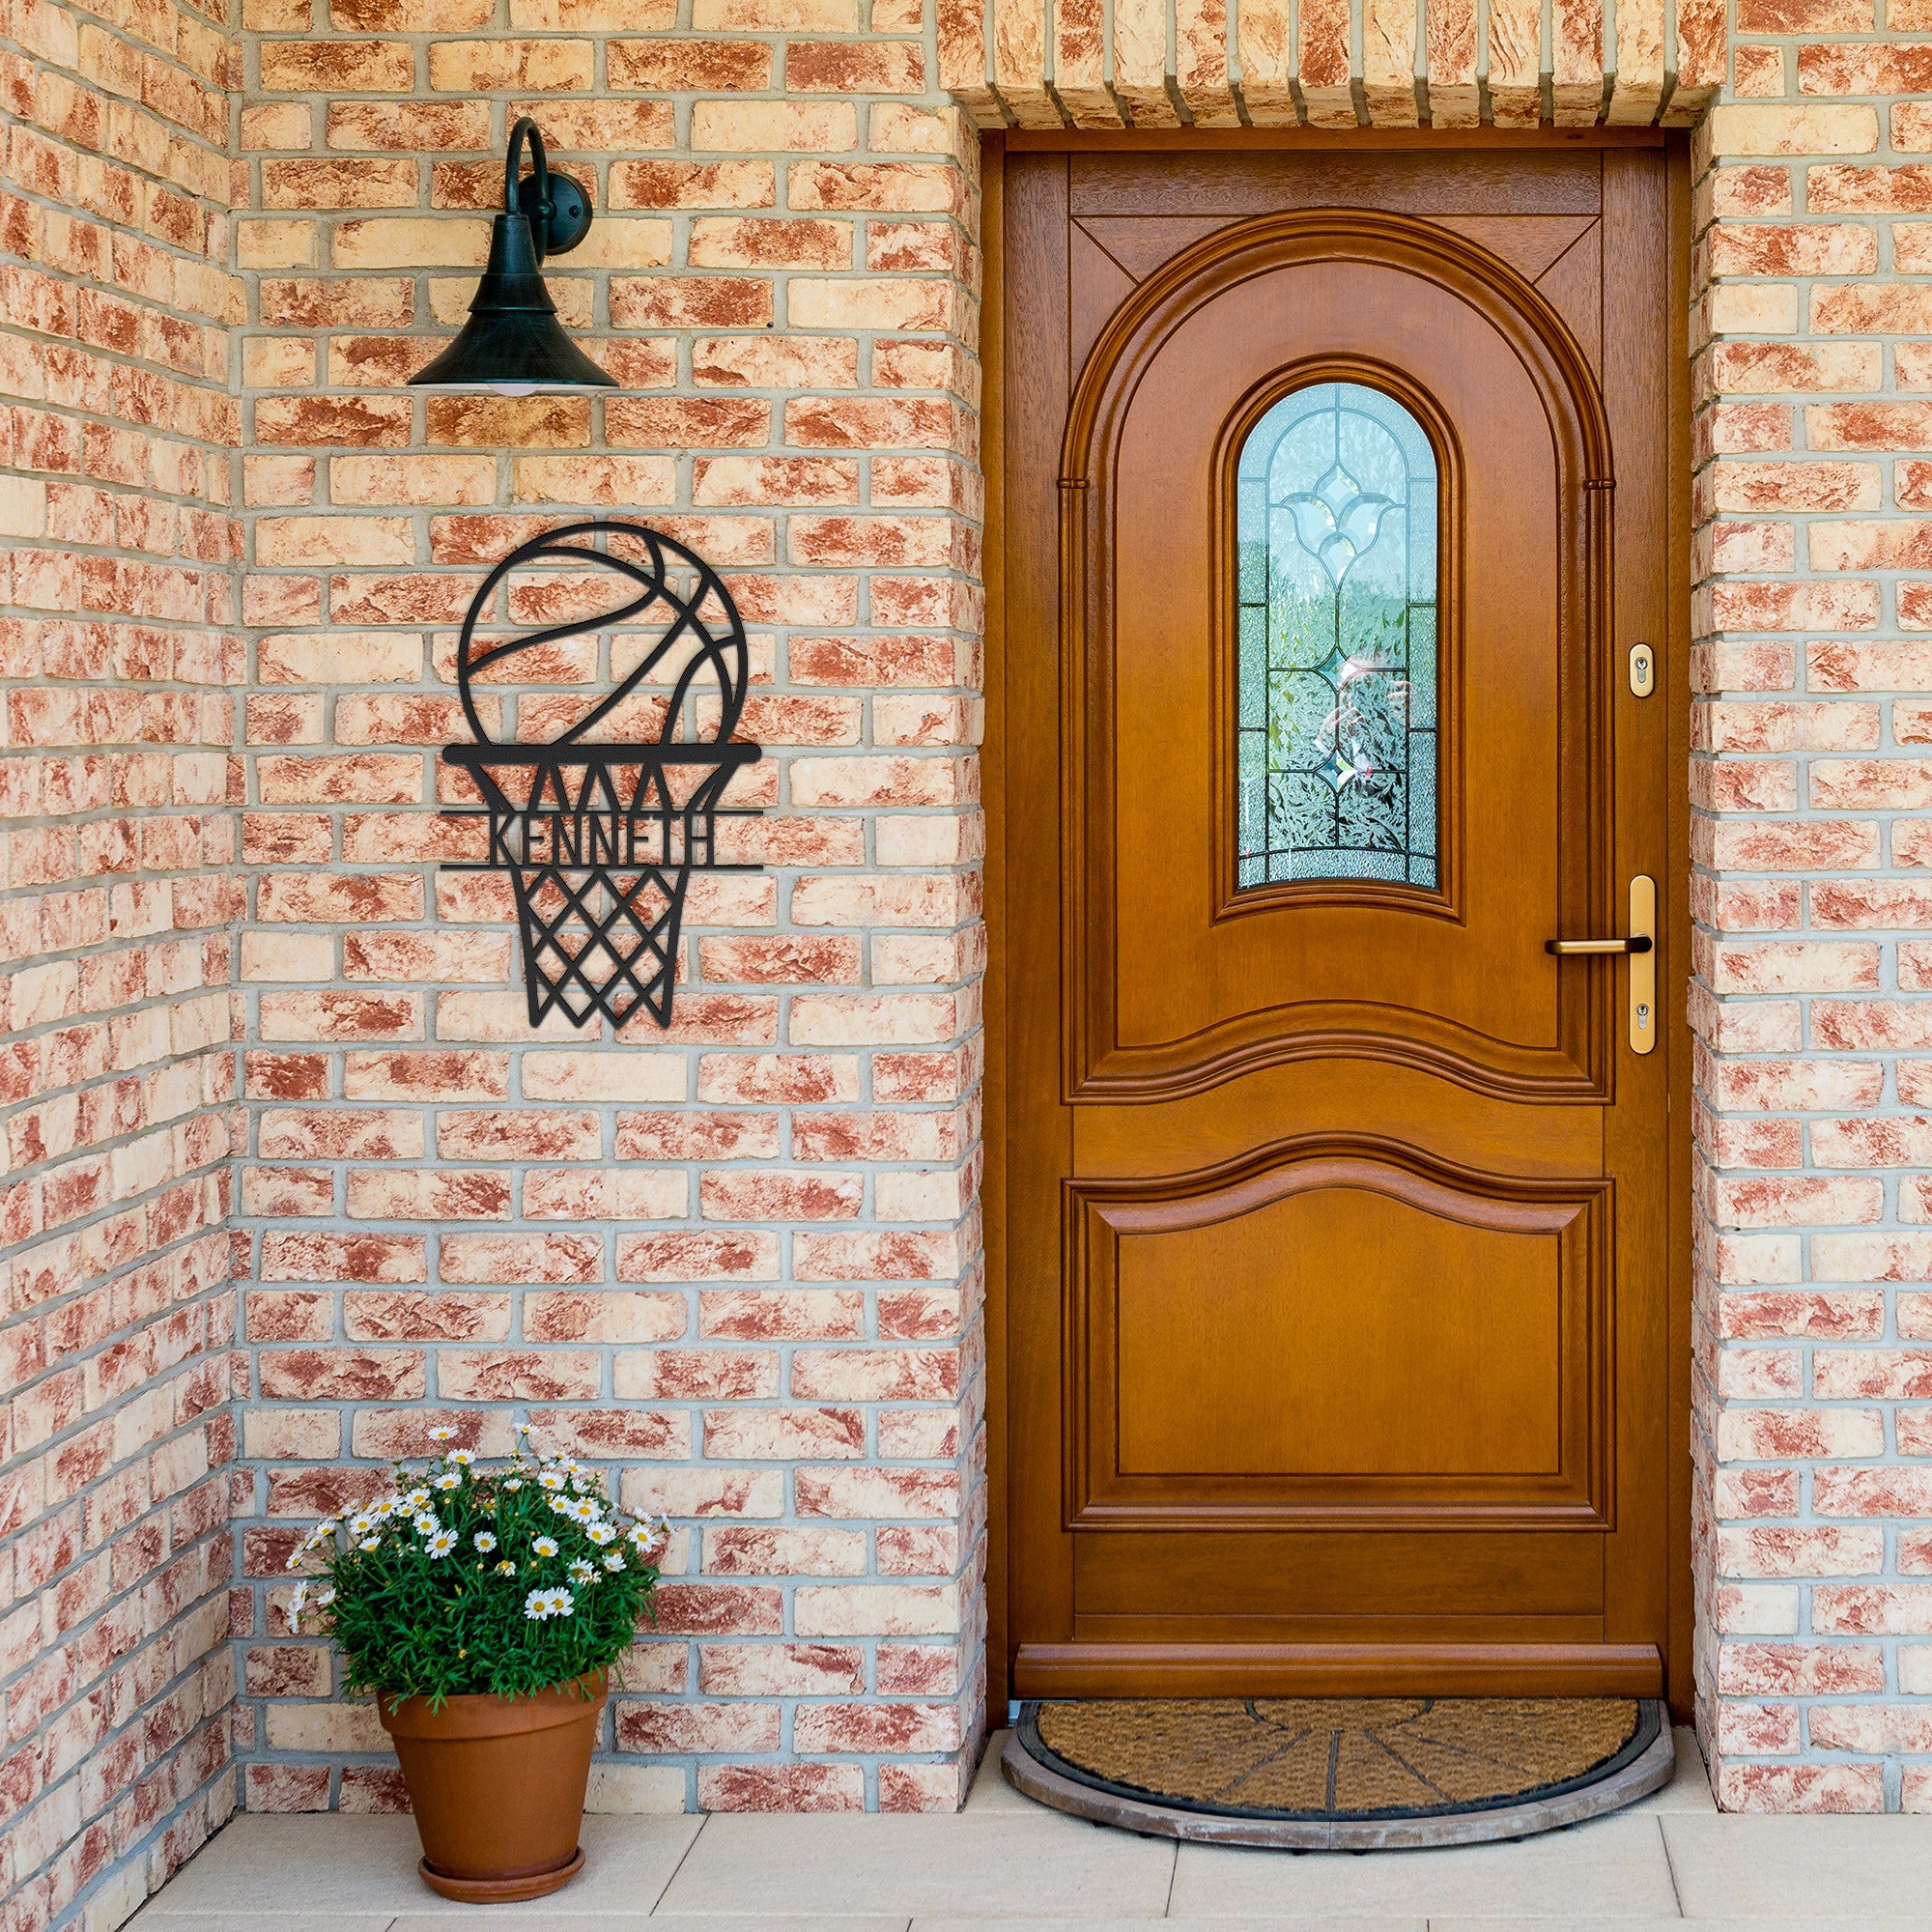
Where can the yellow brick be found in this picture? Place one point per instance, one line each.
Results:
(288, 957)
(339, 657)
(364, 540)
(431, 480)
(365, 181)
(275, 245)
(615, 243)
(282, 123)
(326, 1727)
(853, 303)
(478, 67)
(594, 16)
(278, 361)
(896, 127)
(277, 482)
(410, 242)
(1736, 308)
(23, 508)
(596, 479)
(1764, 128)
(775, 16)
(758, 126)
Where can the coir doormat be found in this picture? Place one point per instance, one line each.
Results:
(1353, 1773)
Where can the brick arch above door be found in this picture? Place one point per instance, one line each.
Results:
(1331, 63)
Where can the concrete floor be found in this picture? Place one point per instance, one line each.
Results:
(1669, 1860)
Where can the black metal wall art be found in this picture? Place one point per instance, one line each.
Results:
(600, 838)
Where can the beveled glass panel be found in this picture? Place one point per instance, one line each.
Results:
(1336, 593)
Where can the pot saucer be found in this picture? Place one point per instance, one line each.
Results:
(505, 1891)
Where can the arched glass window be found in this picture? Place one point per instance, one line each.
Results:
(1336, 510)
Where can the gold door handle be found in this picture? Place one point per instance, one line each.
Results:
(1642, 947)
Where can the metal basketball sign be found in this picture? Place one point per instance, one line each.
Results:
(599, 819)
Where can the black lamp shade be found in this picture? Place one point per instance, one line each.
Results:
(512, 341)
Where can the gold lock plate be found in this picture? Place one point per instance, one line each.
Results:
(1642, 966)
(1643, 671)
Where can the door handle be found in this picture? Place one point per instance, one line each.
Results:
(1570, 949)
(1641, 947)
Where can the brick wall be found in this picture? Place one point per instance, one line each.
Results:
(739, 1264)
(1811, 783)
(117, 903)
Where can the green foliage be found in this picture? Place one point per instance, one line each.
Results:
(511, 1579)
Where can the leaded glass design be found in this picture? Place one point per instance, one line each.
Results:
(1336, 512)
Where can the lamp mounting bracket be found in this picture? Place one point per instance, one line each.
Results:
(569, 220)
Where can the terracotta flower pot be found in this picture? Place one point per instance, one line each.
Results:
(498, 1787)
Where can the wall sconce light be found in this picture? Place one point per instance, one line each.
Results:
(513, 343)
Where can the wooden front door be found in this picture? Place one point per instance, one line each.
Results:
(1341, 1220)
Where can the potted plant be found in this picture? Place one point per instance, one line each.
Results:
(484, 1608)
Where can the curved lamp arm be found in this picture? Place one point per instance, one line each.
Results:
(526, 129)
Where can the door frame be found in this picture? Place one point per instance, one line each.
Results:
(1674, 690)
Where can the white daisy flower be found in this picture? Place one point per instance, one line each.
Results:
(325, 1597)
(387, 1507)
(515, 1482)
(450, 1479)
(601, 1533)
(443, 1543)
(462, 1458)
(416, 1498)
(360, 1523)
(537, 1607)
(370, 1543)
(484, 1541)
(442, 1434)
(426, 1522)
(552, 1480)
(613, 1561)
(506, 1568)
(581, 1573)
(544, 1545)
(584, 1510)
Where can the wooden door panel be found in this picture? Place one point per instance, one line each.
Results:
(1179, 980)
(1530, 244)
(1561, 254)
(1332, 1337)
(1408, 1103)
(1320, 1576)
(1446, 182)
(1335, 1241)
(1339, 1332)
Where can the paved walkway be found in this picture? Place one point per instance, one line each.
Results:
(1669, 1860)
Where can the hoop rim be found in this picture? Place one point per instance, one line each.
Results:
(733, 751)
